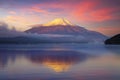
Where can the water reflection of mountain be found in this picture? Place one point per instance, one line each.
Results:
(59, 60)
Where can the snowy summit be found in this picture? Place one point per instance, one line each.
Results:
(58, 21)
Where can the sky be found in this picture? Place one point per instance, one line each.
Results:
(99, 15)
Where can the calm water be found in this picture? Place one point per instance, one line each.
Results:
(59, 62)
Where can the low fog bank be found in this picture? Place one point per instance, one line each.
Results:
(5, 31)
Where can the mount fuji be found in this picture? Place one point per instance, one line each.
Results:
(58, 26)
(62, 30)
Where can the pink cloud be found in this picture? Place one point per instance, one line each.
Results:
(90, 11)
(35, 9)
(12, 12)
(103, 14)
(107, 30)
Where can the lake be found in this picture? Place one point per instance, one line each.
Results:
(60, 62)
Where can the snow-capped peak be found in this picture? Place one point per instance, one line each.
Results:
(58, 21)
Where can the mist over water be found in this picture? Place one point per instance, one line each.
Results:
(59, 62)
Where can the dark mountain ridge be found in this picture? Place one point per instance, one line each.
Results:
(113, 40)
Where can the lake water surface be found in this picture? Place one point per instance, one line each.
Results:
(59, 62)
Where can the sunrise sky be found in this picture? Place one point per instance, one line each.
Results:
(98, 15)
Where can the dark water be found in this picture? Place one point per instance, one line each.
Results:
(59, 62)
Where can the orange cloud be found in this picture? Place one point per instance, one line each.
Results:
(21, 22)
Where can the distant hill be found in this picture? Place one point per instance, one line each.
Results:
(114, 40)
